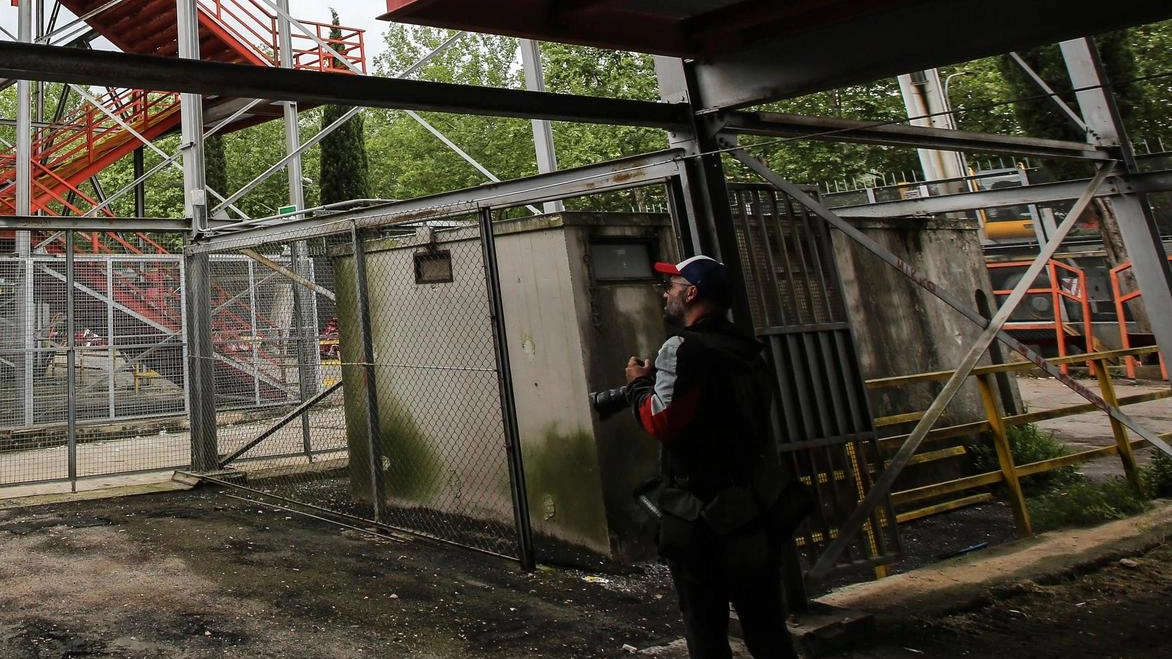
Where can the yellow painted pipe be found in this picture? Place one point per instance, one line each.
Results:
(1009, 229)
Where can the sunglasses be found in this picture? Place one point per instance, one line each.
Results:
(668, 285)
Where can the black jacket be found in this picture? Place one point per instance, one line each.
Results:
(707, 402)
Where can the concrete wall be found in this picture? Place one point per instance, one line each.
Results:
(900, 327)
(439, 410)
(617, 320)
(567, 335)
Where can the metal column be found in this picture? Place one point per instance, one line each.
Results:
(201, 385)
(704, 197)
(1136, 224)
(24, 148)
(508, 402)
(71, 363)
(374, 441)
(305, 300)
(926, 104)
(547, 160)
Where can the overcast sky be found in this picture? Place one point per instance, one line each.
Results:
(351, 13)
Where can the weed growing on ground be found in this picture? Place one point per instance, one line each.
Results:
(1079, 502)
(1027, 444)
(1157, 477)
(1064, 497)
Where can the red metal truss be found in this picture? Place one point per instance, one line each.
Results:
(73, 149)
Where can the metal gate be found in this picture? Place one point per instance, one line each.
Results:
(822, 420)
(91, 365)
(418, 441)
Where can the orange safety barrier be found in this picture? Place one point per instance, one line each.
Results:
(1125, 336)
(253, 23)
(1072, 287)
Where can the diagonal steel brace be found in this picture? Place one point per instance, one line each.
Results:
(882, 486)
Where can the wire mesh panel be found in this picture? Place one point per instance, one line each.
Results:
(93, 357)
(426, 414)
(255, 335)
(16, 342)
(823, 419)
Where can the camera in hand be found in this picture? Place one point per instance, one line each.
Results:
(609, 402)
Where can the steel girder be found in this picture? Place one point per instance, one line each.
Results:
(1119, 184)
(629, 172)
(867, 46)
(92, 223)
(873, 132)
(55, 64)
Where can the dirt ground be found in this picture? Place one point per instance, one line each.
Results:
(1115, 611)
(203, 574)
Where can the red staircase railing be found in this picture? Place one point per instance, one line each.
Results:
(89, 139)
(254, 24)
(1121, 299)
(69, 151)
(1072, 287)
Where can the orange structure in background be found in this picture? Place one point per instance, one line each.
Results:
(1125, 336)
(1066, 282)
(78, 145)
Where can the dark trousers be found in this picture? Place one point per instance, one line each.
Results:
(744, 570)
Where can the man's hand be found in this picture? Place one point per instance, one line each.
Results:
(637, 368)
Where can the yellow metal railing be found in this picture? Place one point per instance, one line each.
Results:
(996, 424)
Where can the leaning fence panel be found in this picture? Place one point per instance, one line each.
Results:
(439, 467)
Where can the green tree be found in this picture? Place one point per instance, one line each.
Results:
(411, 161)
(1151, 112)
(1038, 114)
(813, 161)
(215, 164)
(344, 166)
(586, 71)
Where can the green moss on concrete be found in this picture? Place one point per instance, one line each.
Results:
(561, 478)
(409, 455)
(411, 464)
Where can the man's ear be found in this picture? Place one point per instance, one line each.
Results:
(692, 294)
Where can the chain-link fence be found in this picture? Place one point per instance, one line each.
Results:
(429, 398)
(94, 347)
(92, 360)
(463, 358)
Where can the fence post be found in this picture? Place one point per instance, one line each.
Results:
(201, 373)
(1021, 515)
(1122, 442)
(369, 378)
(508, 403)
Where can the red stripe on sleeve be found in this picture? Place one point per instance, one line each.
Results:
(670, 423)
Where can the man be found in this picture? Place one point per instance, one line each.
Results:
(706, 400)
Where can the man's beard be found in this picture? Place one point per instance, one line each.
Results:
(675, 319)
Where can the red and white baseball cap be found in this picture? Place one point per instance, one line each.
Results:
(707, 274)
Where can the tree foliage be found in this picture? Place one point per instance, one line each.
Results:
(344, 171)
(813, 161)
(215, 164)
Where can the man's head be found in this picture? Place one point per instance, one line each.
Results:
(694, 287)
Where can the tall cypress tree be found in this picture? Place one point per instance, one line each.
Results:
(345, 170)
(215, 164)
